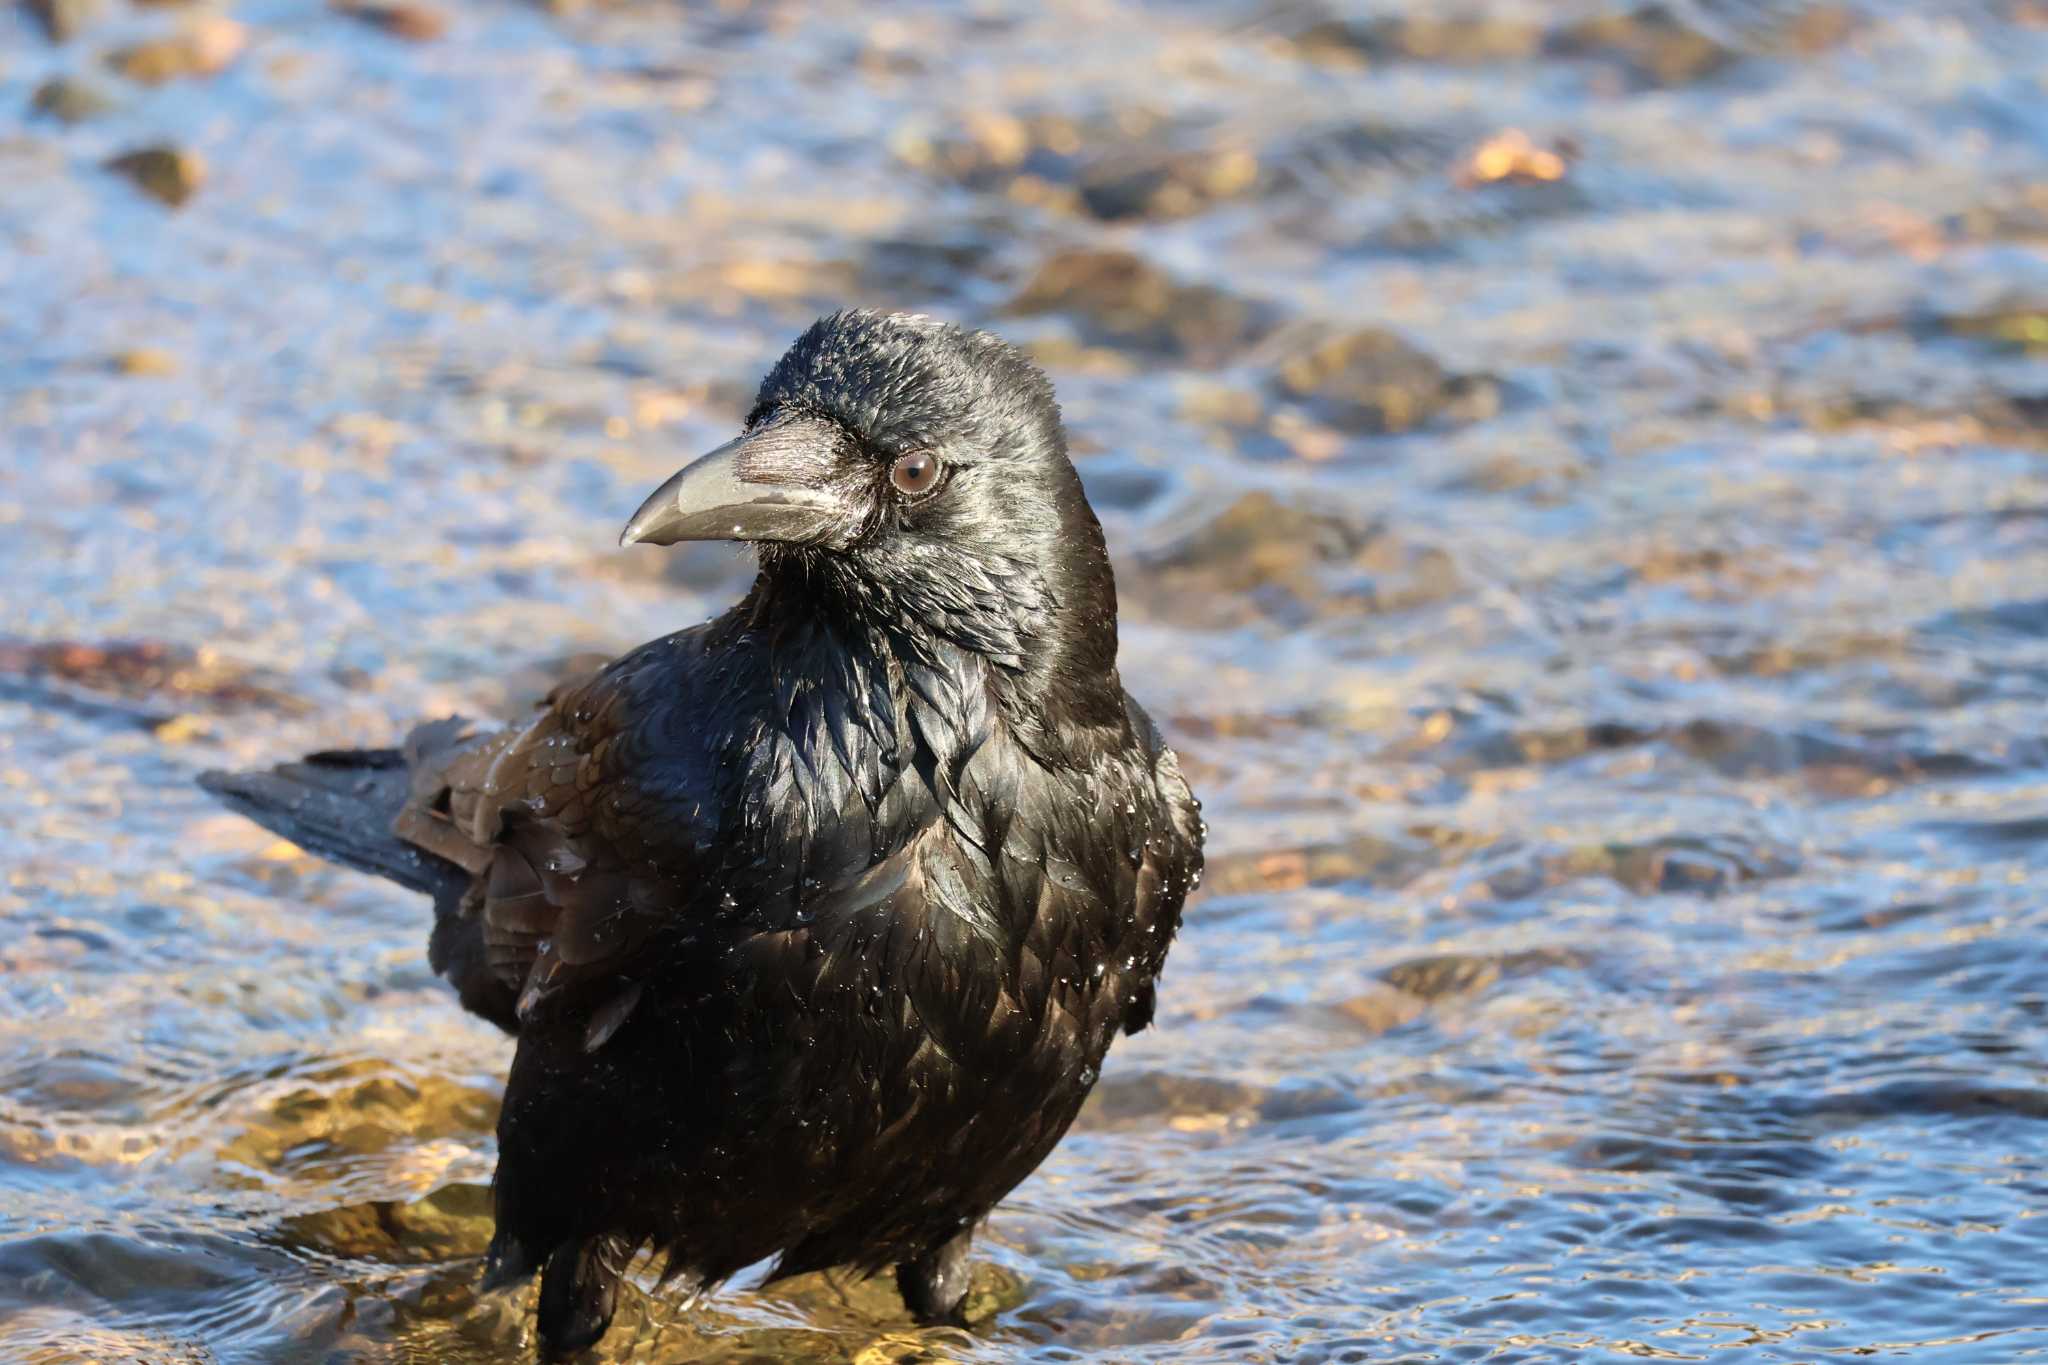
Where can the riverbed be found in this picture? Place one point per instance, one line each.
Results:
(1578, 478)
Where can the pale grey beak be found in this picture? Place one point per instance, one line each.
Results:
(774, 483)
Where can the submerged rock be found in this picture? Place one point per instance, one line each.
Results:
(1371, 381)
(1130, 165)
(1121, 164)
(64, 20)
(205, 46)
(992, 149)
(1659, 45)
(1360, 858)
(71, 100)
(1258, 539)
(1119, 299)
(169, 174)
(1265, 559)
(1446, 976)
(1649, 45)
(454, 1221)
(145, 362)
(923, 265)
(414, 23)
(2016, 328)
(1339, 39)
(1172, 184)
(1512, 155)
(137, 671)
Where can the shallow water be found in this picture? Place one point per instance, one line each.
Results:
(1618, 691)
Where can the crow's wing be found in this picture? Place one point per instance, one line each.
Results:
(563, 900)
(1170, 866)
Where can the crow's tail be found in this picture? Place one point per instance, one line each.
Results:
(340, 805)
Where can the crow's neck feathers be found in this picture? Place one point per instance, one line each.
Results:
(1030, 621)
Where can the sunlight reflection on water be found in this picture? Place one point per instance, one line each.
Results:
(1577, 480)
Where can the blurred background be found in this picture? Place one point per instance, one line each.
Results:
(1576, 472)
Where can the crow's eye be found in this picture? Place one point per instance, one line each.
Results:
(915, 474)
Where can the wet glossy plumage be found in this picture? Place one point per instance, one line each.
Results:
(813, 922)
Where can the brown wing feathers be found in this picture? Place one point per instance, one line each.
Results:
(549, 905)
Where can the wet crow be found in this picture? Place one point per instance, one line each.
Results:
(815, 921)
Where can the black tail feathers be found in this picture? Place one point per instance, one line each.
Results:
(340, 805)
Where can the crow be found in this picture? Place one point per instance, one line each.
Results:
(813, 922)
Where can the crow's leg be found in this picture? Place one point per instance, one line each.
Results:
(579, 1291)
(935, 1284)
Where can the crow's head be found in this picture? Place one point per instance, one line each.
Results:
(897, 464)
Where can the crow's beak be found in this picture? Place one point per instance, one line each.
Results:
(774, 483)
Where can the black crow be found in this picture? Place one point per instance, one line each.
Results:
(815, 921)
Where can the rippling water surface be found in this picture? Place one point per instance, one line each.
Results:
(1577, 474)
